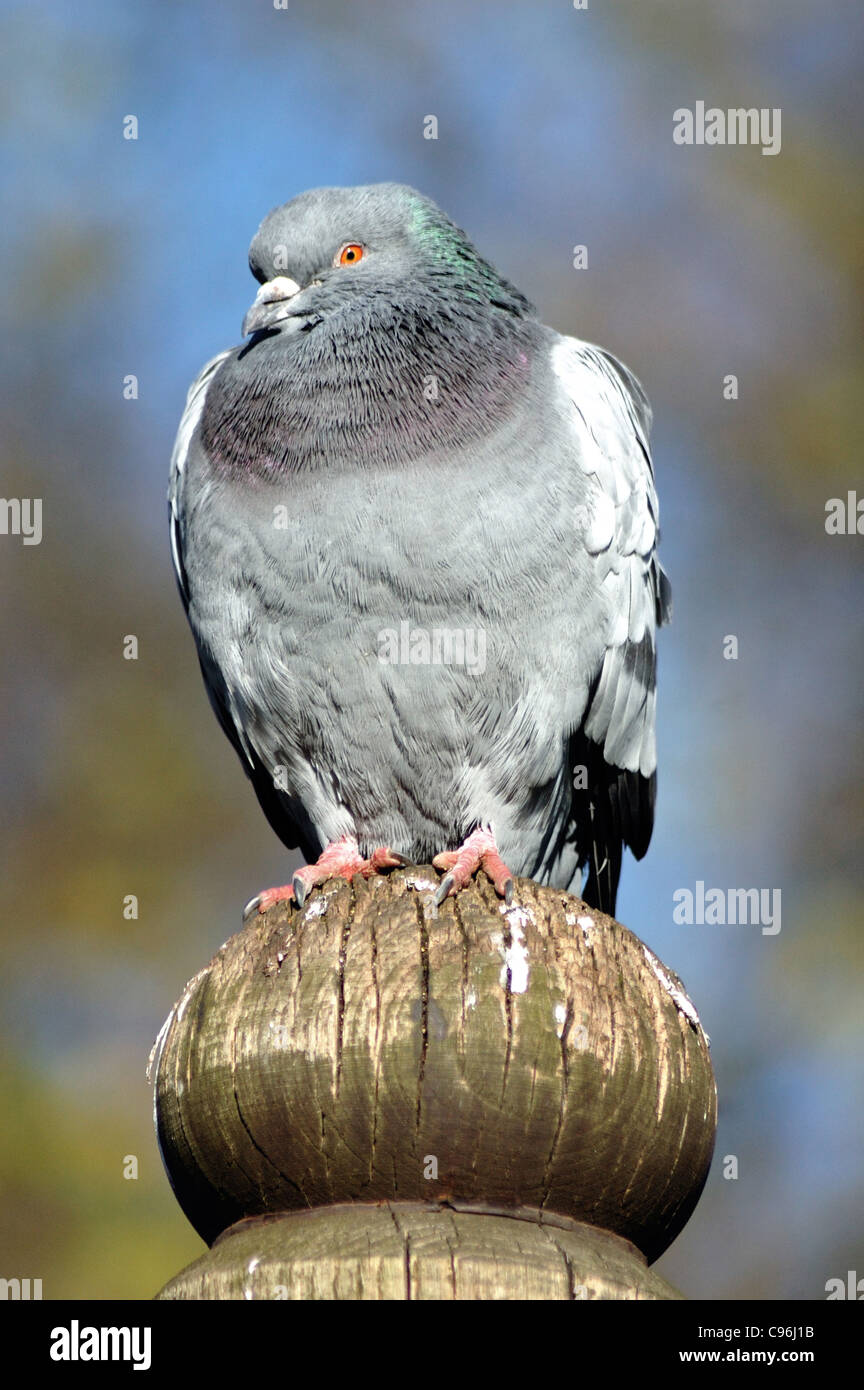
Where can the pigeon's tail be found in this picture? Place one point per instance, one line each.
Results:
(616, 808)
(600, 889)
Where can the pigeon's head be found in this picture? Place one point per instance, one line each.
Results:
(336, 249)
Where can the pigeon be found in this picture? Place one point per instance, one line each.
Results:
(414, 530)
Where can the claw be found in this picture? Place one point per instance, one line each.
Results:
(341, 859)
(478, 852)
(251, 907)
(444, 889)
(301, 892)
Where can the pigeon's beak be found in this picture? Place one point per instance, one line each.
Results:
(271, 304)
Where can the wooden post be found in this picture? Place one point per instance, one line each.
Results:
(374, 1098)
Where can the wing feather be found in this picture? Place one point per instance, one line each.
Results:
(616, 741)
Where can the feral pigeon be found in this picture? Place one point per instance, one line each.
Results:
(414, 531)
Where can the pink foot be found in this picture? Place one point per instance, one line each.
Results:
(479, 851)
(341, 859)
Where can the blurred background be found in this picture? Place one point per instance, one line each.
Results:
(129, 257)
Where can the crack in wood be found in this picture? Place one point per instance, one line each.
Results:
(424, 1013)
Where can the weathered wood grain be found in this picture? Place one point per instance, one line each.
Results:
(372, 1048)
(401, 1250)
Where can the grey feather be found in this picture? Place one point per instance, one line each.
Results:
(407, 444)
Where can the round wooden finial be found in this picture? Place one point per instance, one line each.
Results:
(370, 1048)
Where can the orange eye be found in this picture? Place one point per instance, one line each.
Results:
(351, 253)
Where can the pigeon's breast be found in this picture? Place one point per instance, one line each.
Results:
(383, 633)
(381, 388)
